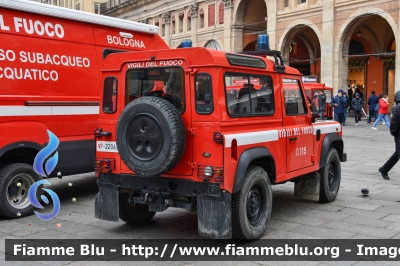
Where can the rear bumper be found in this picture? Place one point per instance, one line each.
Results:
(107, 199)
(213, 206)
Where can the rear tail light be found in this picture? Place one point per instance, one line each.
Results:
(110, 95)
(104, 165)
(218, 138)
(211, 173)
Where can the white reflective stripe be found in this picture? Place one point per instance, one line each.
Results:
(327, 128)
(75, 110)
(71, 14)
(48, 110)
(251, 137)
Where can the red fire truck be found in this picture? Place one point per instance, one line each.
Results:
(211, 140)
(311, 88)
(50, 61)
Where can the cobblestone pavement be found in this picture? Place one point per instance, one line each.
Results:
(351, 216)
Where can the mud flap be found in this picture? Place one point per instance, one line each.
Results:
(214, 216)
(307, 187)
(106, 204)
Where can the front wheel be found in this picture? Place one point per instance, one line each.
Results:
(252, 205)
(133, 214)
(15, 181)
(330, 177)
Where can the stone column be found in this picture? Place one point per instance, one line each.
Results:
(167, 20)
(272, 30)
(237, 37)
(328, 63)
(194, 11)
(230, 40)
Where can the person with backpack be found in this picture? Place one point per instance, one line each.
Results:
(339, 104)
(357, 104)
(394, 131)
(373, 106)
(383, 111)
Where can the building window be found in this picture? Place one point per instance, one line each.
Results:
(302, 1)
(173, 25)
(211, 15)
(180, 25)
(78, 7)
(221, 13)
(285, 3)
(97, 8)
(189, 21)
(201, 13)
(163, 28)
(157, 23)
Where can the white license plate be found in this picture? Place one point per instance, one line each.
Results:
(106, 146)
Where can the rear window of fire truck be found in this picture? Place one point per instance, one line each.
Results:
(166, 83)
(240, 60)
(249, 95)
(203, 94)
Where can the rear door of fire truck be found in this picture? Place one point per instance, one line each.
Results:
(165, 79)
(297, 125)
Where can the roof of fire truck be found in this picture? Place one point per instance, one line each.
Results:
(195, 56)
(71, 14)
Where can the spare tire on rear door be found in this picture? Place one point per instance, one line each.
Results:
(150, 136)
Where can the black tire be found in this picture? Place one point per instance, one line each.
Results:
(150, 136)
(15, 181)
(330, 177)
(252, 205)
(133, 214)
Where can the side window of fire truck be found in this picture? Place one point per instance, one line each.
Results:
(167, 83)
(248, 95)
(293, 97)
(203, 94)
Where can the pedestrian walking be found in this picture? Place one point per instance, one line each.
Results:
(321, 96)
(347, 106)
(383, 111)
(357, 104)
(372, 104)
(394, 131)
(377, 108)
(339, 103)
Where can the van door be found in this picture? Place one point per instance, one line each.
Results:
(297, 127)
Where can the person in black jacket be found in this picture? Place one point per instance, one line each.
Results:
(357, 104)
(394, 130)
(372, 102)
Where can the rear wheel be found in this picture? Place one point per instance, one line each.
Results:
(15, 181)
(252, 205)
(133, 214)
(330, 177)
